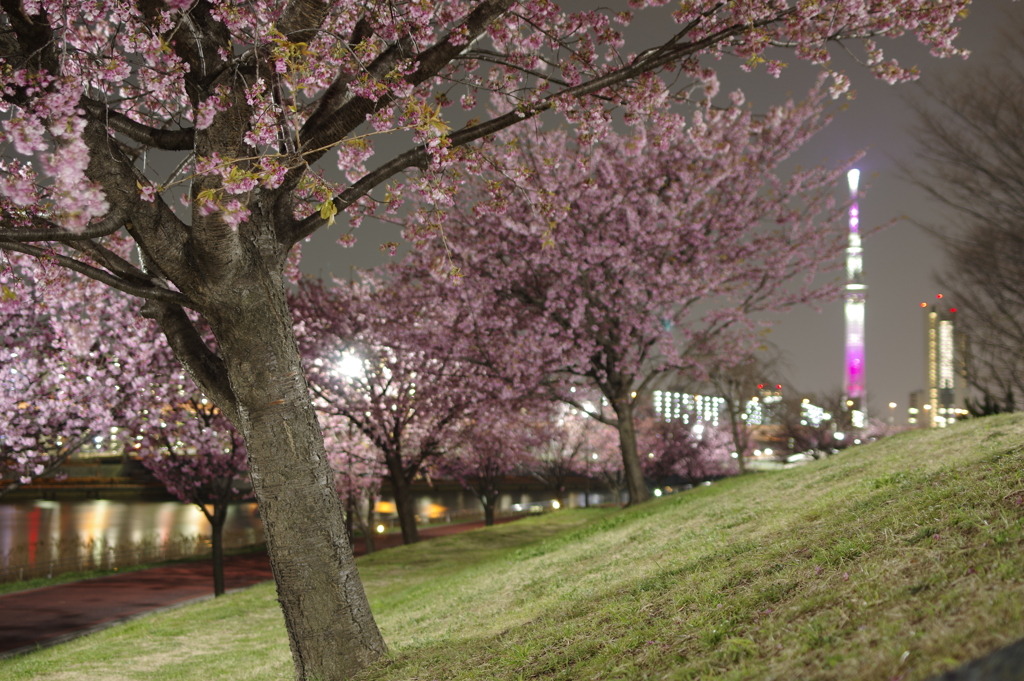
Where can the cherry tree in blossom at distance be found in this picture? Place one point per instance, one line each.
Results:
(408, 399)
(246, 101)
(490, 447)
(69, 372)
(643, 253)
(185, 441)
(358, 473)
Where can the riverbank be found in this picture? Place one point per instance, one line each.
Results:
(896, 560)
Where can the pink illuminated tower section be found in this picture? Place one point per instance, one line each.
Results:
(853, 378)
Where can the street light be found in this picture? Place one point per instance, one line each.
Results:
(350, 366)
(892, 413)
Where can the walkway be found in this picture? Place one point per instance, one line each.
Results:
(54, 614)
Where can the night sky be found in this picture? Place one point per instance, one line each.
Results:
(900, 260)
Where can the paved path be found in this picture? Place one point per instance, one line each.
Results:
(54, 614)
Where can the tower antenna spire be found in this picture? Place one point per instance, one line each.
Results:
(856, 292)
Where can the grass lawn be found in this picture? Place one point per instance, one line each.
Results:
(895, 560)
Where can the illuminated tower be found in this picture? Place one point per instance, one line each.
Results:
(853, 378)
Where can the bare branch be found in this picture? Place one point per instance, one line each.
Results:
(51, 232)
(148, 292)
(171, 140)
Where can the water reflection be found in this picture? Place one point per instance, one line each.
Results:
(44, 537)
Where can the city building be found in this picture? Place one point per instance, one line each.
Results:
(941, 402)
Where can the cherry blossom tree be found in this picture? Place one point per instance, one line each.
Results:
(673, 450)
(358, 474)
(188, 444)
(567, 257)
(408, 400)
(68, 371)
(736, 384)
(816, 437)
(564, 450)
(241, 104)
(200, 458)
(605, 462)
(488, 449)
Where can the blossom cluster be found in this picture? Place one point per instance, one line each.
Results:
(135, 61)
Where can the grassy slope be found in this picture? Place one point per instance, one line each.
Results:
(895, 560)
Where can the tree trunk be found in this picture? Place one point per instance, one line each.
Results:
(331, 630)
(220, 514)
(350, 509)
(371, 530)
(740, 446)
(734, 423)
(402, 491)
(489, 504)
(635, 484)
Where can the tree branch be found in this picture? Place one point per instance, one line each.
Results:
(51, 232)
(148, 292)
(170, 140)
(203, 365)
(353, 113)
(418, 157)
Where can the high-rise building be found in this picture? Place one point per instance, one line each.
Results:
(854, 389)
(939, 404)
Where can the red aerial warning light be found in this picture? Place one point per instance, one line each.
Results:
(760, 386)
(939, 296)
(952, 309)
(778, 386)
(924, 304)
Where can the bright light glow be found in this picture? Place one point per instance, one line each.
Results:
(853, 179)
(892, 405)
(380, 529)
(840, 436)
(657, 492)
(555, 505)
(735, 455)
(350, 366)
(858, 419)
(769, 451)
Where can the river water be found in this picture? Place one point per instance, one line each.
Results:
(38, 538)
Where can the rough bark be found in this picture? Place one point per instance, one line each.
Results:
(331, 631)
